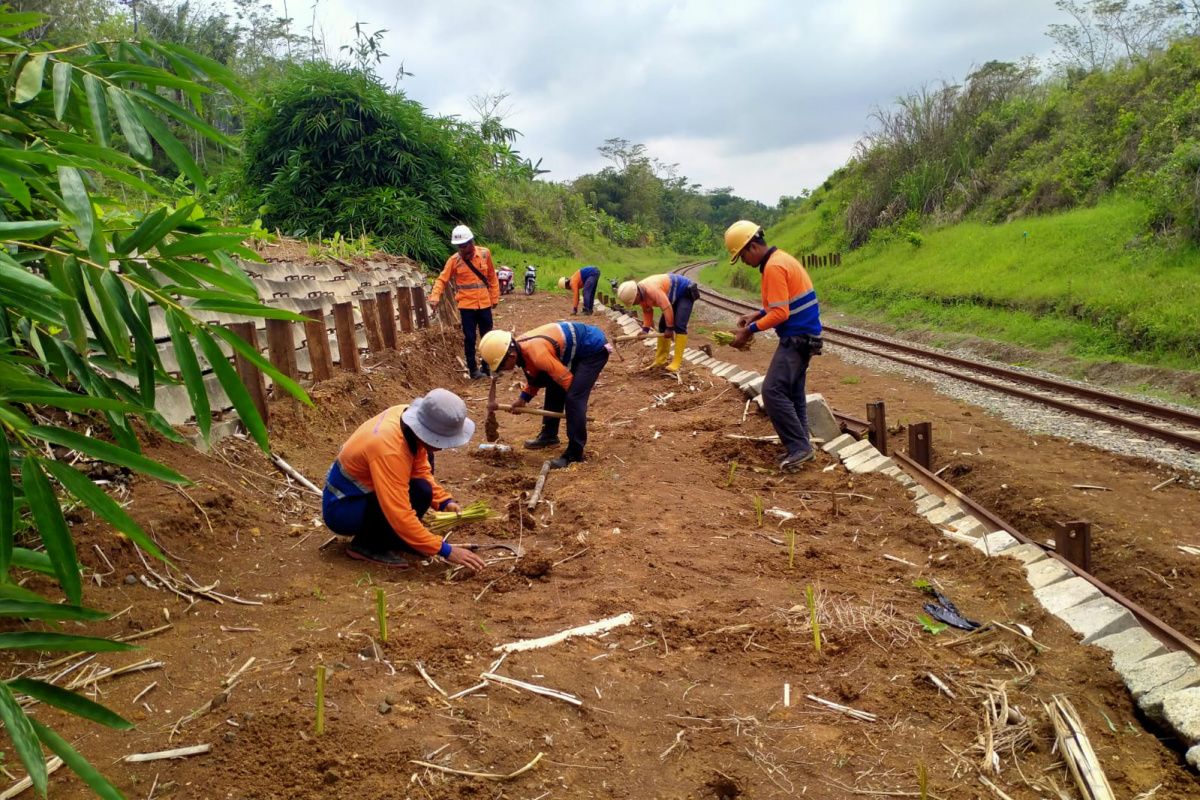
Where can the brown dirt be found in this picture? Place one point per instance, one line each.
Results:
(687, 701)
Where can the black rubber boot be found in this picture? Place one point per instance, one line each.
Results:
(565, 460)
(543, 440)
(386, 558)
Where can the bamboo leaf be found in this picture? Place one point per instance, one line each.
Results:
(234, 388)
(106, 452)
(29, 82)
(136, 241)
(62, 87)
(70, 702)
(213, 69)
(52, 528)
(60, 642)
(75, 195)
(27, 230)
(16, 187)
(34, 560)
(16, 278)
(98, 501)
(189, 370)
(246, 309)
(171, 146)
(185, 117)
(11, 591)
(24, 740)
(135, 134)
(69, 401)
(7, 506)
(243, 347)
(191, 245)
(98, 109)
(78, 764)
(22, 609)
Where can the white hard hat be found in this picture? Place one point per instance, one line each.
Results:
(627, 292)
(461, 235)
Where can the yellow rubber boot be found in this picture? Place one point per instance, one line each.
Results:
(661, 352)
(680, 344)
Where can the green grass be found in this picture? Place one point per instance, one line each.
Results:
(1083, 282)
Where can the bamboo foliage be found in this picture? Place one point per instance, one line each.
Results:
(82, 275)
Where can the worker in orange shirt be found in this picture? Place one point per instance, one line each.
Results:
(564, 357)
(674, 295)
(582, 282)
(789, 305)
(382, 483)
(477, 291)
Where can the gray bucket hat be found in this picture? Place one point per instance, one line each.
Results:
(440, 419)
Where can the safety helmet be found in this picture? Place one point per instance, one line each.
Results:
(562, 282)
(493, 348)
(627, 292)
(738, 235)
(461, 235)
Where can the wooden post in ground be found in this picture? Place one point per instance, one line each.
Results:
(317, 337)
(387, 318)
(877, 417)
(404, 308)
(418, 299)
(343, 323)
(920, 443)
(370, 318)
(281, 348)
(1074, 543)
(250, 374)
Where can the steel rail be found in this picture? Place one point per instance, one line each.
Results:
(1128, 404)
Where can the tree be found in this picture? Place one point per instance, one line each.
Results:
(81, 277)
(1106, 31)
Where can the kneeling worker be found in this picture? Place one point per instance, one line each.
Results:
(584, 281)
(382, 482)
(675, 295)
(565, 358)
(789, 305)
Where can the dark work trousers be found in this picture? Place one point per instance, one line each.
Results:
(683, 312)
(589, 293)
(574, 401)
(783, 394)
(474, 320)
(362, 517)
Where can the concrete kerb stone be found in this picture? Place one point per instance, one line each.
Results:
(821, 422)
(996, 543)
(928, 503)
(861, 457)
(969, 526)
(835, 446)
(1182, 712)
(1047, 572)
(1099, 618)
(1193, 758)
(853, 449)
(739, 376)
(1152, 673)
(754, 386)
(944, 515)
(874, 465)
(1152, 701)
(1130, 646)
(1027, 553)
(1065, 594)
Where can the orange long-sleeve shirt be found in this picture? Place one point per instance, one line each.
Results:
(376, 458)
(539, 356)
(788, 297)
(470, 292)
(653, 291)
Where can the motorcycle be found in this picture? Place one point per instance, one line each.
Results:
(530, 279)
(505, 277)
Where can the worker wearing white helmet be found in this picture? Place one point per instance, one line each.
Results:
(789, 305)
(674, 295)
(476, 290)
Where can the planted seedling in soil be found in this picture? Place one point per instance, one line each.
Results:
(732, 469)
(758, 511)
(320, 727)
(381, 611)
(811, 596)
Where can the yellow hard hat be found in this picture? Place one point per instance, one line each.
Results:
(738, 235)
(493, 348)
(562, 282)
(627, 292)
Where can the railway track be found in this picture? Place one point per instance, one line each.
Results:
(1178, 427)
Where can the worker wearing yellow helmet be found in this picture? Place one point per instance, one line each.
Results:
(789, 305)
(565, 358)
(674, 295)
(582, 282)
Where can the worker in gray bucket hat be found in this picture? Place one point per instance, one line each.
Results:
(382, 483)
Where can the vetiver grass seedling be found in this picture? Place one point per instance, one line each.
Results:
(922, 781)
(758, 510)
(791, 547)
(732, 469)
(381, 611)
(811, 596)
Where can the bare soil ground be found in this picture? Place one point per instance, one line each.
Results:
(687, 702)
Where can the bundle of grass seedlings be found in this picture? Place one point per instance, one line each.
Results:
(442, 521)
(722, 337)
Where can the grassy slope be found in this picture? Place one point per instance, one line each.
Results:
(1077, 283)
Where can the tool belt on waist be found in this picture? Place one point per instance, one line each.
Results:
(812, 344)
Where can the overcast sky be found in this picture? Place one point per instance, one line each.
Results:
(768, 98)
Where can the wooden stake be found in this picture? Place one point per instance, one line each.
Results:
(387, 319)
(281, 347)
(320, 726)
(343, 322)
(419, 305)
(370, 318)
(404, 308)
(316, 335)
(538, 487)
(250, 374)
(381, 612)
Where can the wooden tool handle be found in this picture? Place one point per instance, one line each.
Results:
(537, 412)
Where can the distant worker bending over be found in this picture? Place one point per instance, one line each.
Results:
(790, 307)
(477, 290)
(674, 295)
(583, 281)
(565, 358)
(382, 483)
